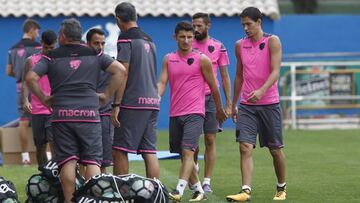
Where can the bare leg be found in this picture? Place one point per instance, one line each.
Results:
(23, 126)
(210, 154)
(151, 165)
(246, 162)
(279, 164)
(121, 162)
(91, 170)
(67, 176)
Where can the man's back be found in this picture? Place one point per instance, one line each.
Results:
(138, 50)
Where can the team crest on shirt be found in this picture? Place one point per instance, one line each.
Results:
(21, 52)
(190, 61)
(211, 48)
(261, 46)
(147, 47)
(74, 64)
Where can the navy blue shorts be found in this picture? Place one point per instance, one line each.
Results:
(107, 130)
(77, 141)
(137, 131)
(264, 120)
(41, 128)
(23, 115)
(211, 125)
(184, 132)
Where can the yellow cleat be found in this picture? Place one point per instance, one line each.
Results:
(280, 194)
(243, 196)
(175, 196)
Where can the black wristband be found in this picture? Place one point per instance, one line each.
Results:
(115, 105)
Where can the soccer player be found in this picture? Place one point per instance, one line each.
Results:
(96, 39)
(257, 74)
(187, 72)
(217, 53)
(40, 114)
(72, 70)
(135, 125)
(18, 53)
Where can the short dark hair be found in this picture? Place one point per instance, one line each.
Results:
(93, 31)
(251, 12)
(126, 12)
(71, 29)
(48, 37)
(30, 24)
(204, 16)
(184, 25)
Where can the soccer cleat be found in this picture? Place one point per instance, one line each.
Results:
(207, 188)
(280, 193)
(175, 196)
(198, 196)
(244, 195)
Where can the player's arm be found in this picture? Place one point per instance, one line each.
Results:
(225, 80)
(206, 69)
(25, 90)
(164, 77)
(238, 81)
(118, 74)
(32, 79)
(10, 70)
(118, 96)
(275, 58)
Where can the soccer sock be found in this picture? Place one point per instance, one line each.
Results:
(281, 184)
(25, 156)
(197, 187)
(246, 187)
(181, 186)
(48, 155)
(206, 181)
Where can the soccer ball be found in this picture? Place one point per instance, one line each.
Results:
(79, 181)
(9, 200)
(142, 188)
(101, 187)
(38, 188)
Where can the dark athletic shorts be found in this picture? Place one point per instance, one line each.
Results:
(264, 120)
(211, 125)
(107, 130)
(41, 128)
(77, 141)
(137, 131)
(184, 132)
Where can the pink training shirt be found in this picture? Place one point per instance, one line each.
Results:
(256, 61)
(37, 106)
(217, 53)
(187, 84)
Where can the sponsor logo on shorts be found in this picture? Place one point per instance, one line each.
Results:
(148, 100)
(76, 113)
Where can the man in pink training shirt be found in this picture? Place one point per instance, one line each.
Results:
(217, 53)
(40, 114)
(257, 74)
(187, 72)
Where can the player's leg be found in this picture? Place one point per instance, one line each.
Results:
(67, 177)
(39, 135)
(148, 145)
(24, 120)
(246, 132)
(270, 135)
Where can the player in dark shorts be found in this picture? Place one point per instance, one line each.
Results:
(217, 53)
(96, 39)
(18, 53)
(40, 114)
(187, 71)
(73, 70)
(135, 118)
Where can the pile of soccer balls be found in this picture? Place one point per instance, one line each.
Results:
(46, 187)
(127, 188)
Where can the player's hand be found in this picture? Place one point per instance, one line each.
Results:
(27, 107)
(228, 109)
(221, 115)
(115, 116)
(255, 96)
(234, 113)
(47, 101)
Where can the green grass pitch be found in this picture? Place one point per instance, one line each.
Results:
(322, 166)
